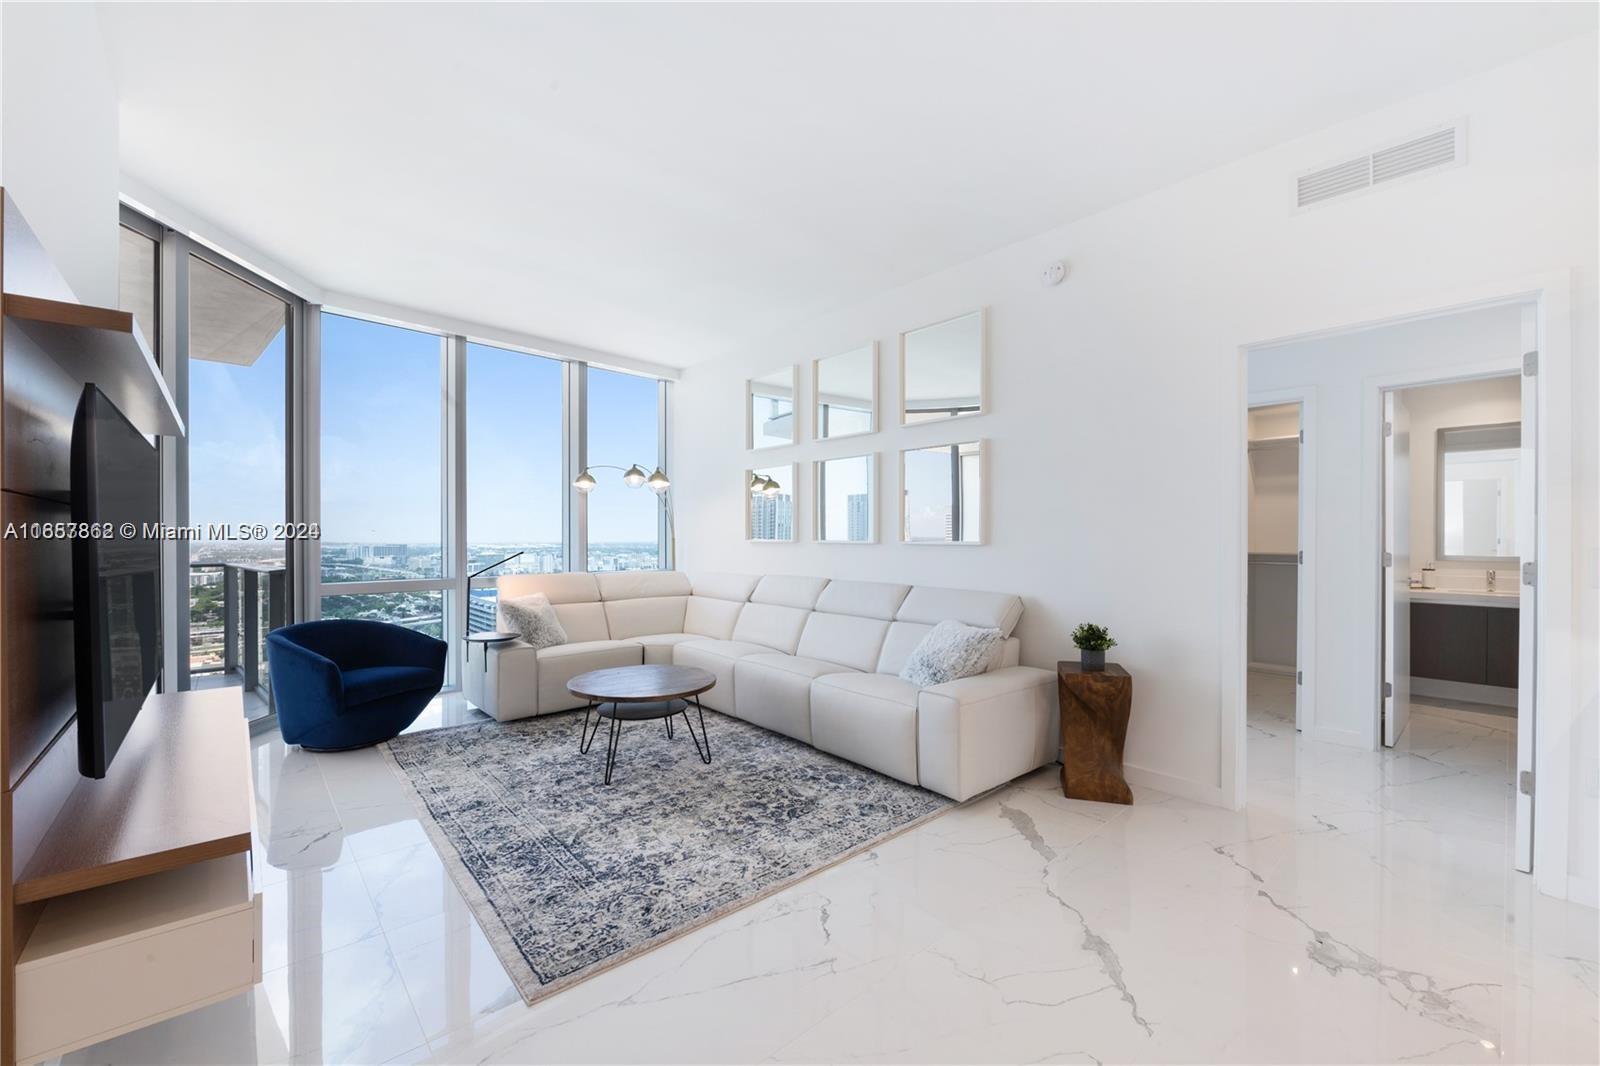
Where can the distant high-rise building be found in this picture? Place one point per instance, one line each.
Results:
(856, 506)
(772, 517)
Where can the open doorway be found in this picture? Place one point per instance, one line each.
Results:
(1274, 632)
(1437, 413)
(1458, 515)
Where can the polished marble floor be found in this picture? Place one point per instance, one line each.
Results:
(1362, 908)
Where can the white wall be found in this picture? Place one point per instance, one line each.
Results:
(58, 139)
(1435, 407)
(1117, 422)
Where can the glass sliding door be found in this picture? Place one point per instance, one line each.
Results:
(236, 460)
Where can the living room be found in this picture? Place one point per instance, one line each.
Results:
(720, 533)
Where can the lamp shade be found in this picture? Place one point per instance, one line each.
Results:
(658, 482)
(771, 488)
(584, 482)
(633, 477)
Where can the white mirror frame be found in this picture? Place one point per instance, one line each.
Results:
(983, 368)
(872, 498)
(983, 495)
(1508, 561)
(816, 395)
(794, 494)
(750, 414)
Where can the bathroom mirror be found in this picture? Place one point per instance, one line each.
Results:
(770, 410)
(942, 370)
(1477, 492)
(769, 502)
(941, 493)
(846, 499)
(845, 387)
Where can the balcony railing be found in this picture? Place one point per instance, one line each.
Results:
(229, 637)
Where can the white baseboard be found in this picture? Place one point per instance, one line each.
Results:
(1272, 668)
(1493, 695)
(1175, 786)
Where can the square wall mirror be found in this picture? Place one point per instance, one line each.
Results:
(941, 494)
(846, 503)
(845, 387)
(942, 369)
(1477, 492)
(769, 502)
(770, 410)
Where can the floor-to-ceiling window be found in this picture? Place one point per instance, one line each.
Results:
(381, 457)
(516, 470)
(623, 430)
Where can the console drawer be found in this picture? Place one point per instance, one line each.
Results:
(123, 956)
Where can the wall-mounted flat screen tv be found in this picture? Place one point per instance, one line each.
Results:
(116, 571)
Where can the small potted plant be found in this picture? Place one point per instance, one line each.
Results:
(1092, 642)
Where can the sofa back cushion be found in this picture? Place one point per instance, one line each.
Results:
(847, 639)
(583, 621)
(785, 591)
(563, 591)
(735, 587)
(557, 588)
(868, 599)
(898, 643)
(988, 610)
(642, 584)
(645, 615)
(707, 616)
(777, 627)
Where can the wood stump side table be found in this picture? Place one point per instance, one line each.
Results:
(1095, 705)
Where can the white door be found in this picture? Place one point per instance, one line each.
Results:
(1396, 568)
(1527, 549)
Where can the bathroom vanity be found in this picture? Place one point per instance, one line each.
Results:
(1462, 636)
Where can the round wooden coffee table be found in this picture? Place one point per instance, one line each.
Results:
(640, 694)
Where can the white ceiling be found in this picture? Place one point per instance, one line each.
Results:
(669, 182)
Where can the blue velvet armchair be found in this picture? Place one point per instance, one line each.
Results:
(345, 683)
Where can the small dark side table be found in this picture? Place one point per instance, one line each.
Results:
(1095, 705)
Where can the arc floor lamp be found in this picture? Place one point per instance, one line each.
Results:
(633, 477)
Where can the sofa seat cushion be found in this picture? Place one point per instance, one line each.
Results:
(562, 663)
(773, 691)
(717, 657)
(378, 682)
(869, 719)
(658, 646)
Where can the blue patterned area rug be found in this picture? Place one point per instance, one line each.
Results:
(568, 876)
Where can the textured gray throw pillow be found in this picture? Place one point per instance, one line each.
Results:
(950, 651)
(534, 618)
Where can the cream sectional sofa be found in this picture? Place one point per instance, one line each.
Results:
(815, 659)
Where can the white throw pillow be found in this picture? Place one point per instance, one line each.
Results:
(534, 618)
(950, 651)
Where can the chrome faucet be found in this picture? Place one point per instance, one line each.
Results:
(1488, 580)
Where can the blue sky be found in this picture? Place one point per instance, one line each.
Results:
(381, 430)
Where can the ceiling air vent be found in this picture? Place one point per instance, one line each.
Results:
(1433, 150)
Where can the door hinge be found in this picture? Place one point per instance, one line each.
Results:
(1302, 436)
(1300, 557)
(1388, 429)
(1388, 690)
(1530, 364)
(1299, 677)
(1388, 558)
(1530, 573)
(1525, 782)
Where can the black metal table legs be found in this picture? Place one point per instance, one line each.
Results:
(588, 732)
